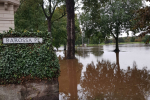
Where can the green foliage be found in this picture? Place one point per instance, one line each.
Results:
(105, 18)
(141, 21)
(145, 38)
(22, 60)
(78, 39)
(121, 40)
(90, 18)
(30, 16)
(117, 17)
(132, 39)
(110, 18)
(94, 40)
(59, 31)
(108, 41)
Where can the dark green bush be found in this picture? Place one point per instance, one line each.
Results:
(22, 60)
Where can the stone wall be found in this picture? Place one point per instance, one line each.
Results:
(7, 10)
(44, 90)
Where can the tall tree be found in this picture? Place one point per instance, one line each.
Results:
(26, 16)
(70, 29)
(59, 29)
(141, 22)
(49, 12)
(90, 18)
(115, 17)
(30, 12)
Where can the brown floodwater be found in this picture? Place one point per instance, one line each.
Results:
(97, 73)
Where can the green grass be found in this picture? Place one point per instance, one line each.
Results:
(128, 43)
(91, 45)
(112, 44)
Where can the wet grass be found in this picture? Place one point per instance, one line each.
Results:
(88, 45)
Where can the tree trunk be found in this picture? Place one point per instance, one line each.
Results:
(117, 47)
(118, 66)
(70, 29)
(117, 58)
(49, 25)
(82, 42)
(64, 46)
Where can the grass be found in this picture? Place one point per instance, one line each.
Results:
(112, 44)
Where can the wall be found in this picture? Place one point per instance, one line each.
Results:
(7, 10)
(44, 90)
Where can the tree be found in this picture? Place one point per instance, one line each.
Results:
(145, 39)
(116, 17)
(70, 29)
(49, 12)
(90, 29)
(26, 16)
(59, 30)
(30, 14)
(111, 17)
(91, 16)
(94, 40)
(132, 39)
(141, 22)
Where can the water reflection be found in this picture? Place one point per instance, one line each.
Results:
(85, 51)
(107, 81)
(70, 78)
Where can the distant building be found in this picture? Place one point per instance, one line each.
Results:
(7, 10)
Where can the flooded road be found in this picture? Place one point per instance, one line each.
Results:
(97, 73)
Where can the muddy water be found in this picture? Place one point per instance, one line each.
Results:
(97, 73)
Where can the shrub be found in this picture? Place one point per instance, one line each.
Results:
(21, 62)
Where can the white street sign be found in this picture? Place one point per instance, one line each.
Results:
(12, 40)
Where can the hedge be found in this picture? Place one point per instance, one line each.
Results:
(23, 62)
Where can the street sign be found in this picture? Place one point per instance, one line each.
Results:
(13, 40)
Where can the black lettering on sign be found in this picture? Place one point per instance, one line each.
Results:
(27, 40)
(15, 40)
(23, 40)
(19, 39)
(7, 40)
(35, 39)
(30, 40)
(11, 40)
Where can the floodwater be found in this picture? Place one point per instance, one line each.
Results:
(97, 73)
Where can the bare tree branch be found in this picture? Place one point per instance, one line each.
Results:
(59, 17)
(44, 10)
(113, 35)
(53, 11)
(50, 6)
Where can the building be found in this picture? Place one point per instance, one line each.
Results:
(7, 10)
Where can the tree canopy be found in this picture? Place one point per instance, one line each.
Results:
(141, 22)
(112, 18)
(30, 16)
